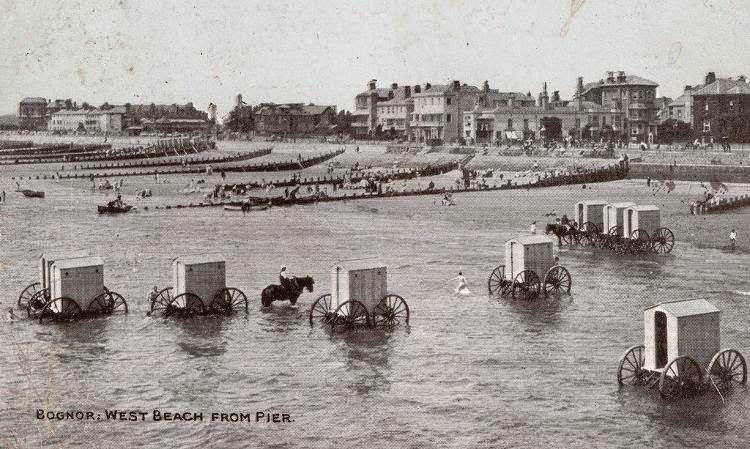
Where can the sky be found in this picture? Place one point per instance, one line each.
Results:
(325, 51)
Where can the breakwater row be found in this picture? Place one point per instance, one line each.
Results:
(223, 167)
(183, 160)
(723, 173)
(719, 205)
(610, 173)
(356, 176)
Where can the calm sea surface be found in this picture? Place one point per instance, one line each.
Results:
(469, 372)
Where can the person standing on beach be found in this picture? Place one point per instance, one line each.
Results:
(733, 237)
(532, 228)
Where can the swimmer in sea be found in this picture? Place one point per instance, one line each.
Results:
(461, 288)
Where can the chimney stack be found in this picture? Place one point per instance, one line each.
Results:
(417, 88)
(621, 77)
(742, 79)
(688, 88)
(710, 78)
(427, 86)
(610, 77)
(372, 84)
(486, 86)
(407, 91)
(456, 85)
(394, 86)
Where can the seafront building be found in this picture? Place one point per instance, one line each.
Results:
(550, 118)
(423, 113)
(721, 109)
(96, 120)
(32, 113)
(634, 96)
(294, 118)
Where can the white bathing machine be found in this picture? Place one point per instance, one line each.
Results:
(613, 220)
(590, 215)
(359, 297)
(530, 266)
(39, 292)
(76, 286)
(643, 223)
(199, 286)
(682, 351)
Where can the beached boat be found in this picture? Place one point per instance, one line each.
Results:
(31, 193)
(114, 209)
(245, 208)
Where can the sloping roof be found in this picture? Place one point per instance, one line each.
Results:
(686, 307)
(723, 86)
(534, 239)
(34, 100)
(381, 91)
(194, 259)
(681, 100)
(440, 89)
(643, 208)
(78, 262)
(630, 80)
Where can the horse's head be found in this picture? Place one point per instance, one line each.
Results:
(308, 283)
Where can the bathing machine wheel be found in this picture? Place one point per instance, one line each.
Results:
(391, 311)
(320, 310)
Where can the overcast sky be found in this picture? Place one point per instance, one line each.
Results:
(325, 51)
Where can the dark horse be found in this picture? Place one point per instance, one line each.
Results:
(291, 293)
(559, 230)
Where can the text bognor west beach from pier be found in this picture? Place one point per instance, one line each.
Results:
(435, 225)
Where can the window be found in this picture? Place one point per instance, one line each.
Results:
(706, 126)
(578, 123)
(705, 108)
(604, 120)
(448, 118)
(448, 101)
(525, 123)
(510, 123)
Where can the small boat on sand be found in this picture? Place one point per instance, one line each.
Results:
(114, 209)
(245, 208)
(31, 193)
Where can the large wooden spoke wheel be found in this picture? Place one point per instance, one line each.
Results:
(36, 303)
(569, 238)
(185, 304)
(589, 235)
(497, 284)
(640, 241)
(630, 371)
(59, 309)
(161, 300)
(591, 228)
(557, 281)
(727, 368)
(391, 311)
(350, 314)
(108, 303)
(615, 231)
(27, 293)
(228, 301)
(320, 310)
(680, 378)
(662, 241)
(526, 285)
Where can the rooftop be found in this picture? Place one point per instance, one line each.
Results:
(724, 86)
(686, 307)
(531, 240)
(34, 100)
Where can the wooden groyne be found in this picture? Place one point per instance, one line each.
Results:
(611, 173)
(222, 167)
(358, 176)
(684, 172)
(720, 205)
(189, 160)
